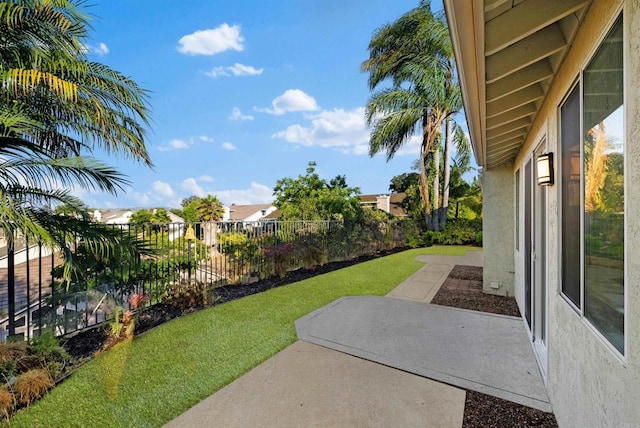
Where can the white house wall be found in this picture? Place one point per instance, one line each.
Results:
(589, 385)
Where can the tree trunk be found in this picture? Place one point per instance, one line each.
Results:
(447, 172)
(436, 188)
(424, 189)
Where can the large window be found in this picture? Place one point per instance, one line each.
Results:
(593, 191)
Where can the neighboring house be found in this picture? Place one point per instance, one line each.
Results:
(112, 216)
(176, 228)
(391, 204)
(247, 213)
(561, 77)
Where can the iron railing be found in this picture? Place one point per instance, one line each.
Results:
(33, 296)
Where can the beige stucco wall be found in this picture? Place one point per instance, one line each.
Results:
(588, 384)
(497, 230)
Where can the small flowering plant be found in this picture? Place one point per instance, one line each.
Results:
(124, 323)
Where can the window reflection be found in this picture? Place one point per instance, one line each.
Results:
(604, 190)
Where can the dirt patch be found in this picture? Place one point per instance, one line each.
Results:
(463, 289)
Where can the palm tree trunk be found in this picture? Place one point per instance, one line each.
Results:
(424, 186)
(436, 188)
(447, 172)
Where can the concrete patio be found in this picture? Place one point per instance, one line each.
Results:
(383, 361)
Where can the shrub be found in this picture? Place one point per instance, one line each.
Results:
(48, 347)
(427, 238)
(479, 239)
(188, 296)
(7, 401)
(32, 385)
(280, 256)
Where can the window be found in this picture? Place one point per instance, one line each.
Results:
(593, 191)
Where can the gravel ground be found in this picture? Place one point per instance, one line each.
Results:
(463, 289)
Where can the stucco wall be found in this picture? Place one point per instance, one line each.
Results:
(588, 384)
(497, 230)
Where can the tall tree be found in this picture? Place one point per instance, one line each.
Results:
(310, 197)
(55, 104)
(416, 55)
(209, 209)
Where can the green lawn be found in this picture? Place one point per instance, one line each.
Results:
(159, 375)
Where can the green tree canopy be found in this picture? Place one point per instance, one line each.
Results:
(208, 209)
(310, 197)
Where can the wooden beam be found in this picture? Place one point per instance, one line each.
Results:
(529, 75)
(511, 115)
(515, 100)
(505, 137)
(530, 16)
(497, 149)
(537, 46)
(507, 128)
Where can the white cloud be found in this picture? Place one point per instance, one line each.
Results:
(175, 144)
(411, 147)
(256, 194)
(291, 100)
(217, 72)
(212, 41)
(228, 146)
(162, 190)
(99, 49)
(244, 70)
(206, 178)
(235, 70)
(338, 128)
(236, 114)
(193, 187)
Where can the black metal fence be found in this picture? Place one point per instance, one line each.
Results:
(33, 296)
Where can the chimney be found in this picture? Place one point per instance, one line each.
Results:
(383, 203)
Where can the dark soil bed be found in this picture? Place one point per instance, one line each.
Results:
(463, 289)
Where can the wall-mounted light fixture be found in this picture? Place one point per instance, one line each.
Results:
(544, 167)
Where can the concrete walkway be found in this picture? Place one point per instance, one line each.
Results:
(373, 362)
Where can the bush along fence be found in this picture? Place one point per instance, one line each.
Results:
(34, 299)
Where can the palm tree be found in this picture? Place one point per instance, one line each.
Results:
(415, 53)
(75, 103)
(209, 209)
(55, 104)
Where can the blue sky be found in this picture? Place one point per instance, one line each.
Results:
(244, 93)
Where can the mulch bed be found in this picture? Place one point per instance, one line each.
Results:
(463, 289)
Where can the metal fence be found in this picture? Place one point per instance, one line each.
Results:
(33, 296)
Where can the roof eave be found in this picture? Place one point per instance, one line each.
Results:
(466, 28)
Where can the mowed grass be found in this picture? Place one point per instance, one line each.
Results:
(159, 375)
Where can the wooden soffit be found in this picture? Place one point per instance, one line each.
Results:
(508, 53)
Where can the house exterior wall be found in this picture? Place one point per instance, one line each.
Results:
(497, 221)
(588, 384)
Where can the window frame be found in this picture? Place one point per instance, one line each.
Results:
(580, 311)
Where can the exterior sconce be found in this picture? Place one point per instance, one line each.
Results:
(544, 167)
